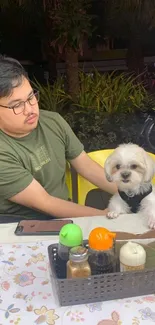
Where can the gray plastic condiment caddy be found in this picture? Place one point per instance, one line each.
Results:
(100, 287)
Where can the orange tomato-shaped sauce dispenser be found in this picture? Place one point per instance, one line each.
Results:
(101, 239)
(102, 251)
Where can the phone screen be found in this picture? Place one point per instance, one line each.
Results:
(39, 227)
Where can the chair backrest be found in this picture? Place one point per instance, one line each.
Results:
(69, 180)
(84, 186)
(153, 156)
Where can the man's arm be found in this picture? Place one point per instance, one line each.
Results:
(34, 196)
(93, 172)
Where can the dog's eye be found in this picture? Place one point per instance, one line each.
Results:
(118, 166)
(134, 166)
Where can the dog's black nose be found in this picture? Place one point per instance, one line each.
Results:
(125, 175)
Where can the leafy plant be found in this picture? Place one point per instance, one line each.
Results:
(101, 93)
(110, 93)
(103, 131)
(71, 25)
(52, 97)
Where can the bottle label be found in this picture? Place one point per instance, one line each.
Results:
(124, 268)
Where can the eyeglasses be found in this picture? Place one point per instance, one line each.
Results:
(20, 107)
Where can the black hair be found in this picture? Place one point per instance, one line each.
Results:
(11, 75)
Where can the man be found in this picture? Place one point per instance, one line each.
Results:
(34, 147)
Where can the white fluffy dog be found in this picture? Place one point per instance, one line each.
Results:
(132, 169)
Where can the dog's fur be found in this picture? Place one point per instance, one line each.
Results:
(138, 168)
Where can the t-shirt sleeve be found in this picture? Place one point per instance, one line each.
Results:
(73, 146)
(14, 178)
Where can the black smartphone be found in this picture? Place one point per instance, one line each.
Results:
(40, 227)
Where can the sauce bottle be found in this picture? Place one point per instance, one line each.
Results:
(78, 266)
(70, 236)
(102, 251)
(132, 257)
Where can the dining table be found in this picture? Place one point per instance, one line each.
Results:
(27, 295)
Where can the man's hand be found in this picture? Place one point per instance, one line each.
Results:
(93, 172)
(35, 197)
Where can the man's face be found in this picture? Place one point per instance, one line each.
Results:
(21, 124)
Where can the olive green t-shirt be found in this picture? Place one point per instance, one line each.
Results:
(41, 155)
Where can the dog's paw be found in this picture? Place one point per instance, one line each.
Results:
(112, 215)
(151, 222)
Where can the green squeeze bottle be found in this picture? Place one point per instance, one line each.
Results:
(70, 236)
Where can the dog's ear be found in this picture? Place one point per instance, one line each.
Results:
(107, 168)
(150, 167)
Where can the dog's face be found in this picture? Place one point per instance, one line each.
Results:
(129, 166)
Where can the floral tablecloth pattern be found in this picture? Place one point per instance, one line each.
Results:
(27, 298)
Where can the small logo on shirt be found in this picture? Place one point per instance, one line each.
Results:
(40, 158)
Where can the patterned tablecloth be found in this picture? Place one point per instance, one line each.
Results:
(26, 295)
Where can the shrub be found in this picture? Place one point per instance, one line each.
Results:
(102, 93)
(52, 97)
(111, 93)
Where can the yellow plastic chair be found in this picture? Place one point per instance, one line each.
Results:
(69, 180)
(84, 186)
(153, 156)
